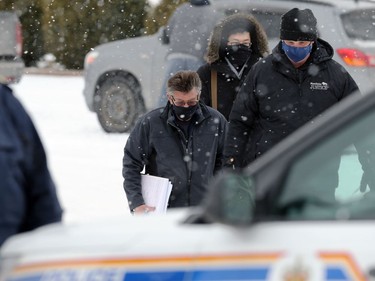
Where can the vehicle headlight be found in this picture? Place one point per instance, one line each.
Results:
(7, 265)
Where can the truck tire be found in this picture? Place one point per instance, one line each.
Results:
(118, 103)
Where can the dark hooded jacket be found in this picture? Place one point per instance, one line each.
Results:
(27, 193)
(276, 99)
(228, 83)
(159, 145)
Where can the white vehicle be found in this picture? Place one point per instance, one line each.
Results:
(278, 219)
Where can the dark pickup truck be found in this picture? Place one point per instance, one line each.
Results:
(11, 63)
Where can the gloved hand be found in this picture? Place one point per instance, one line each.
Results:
(367, 180)
(229, 163)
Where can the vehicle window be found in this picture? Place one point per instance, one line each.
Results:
(268, 19)
(325, 182)
(270, 22)
(360, 24)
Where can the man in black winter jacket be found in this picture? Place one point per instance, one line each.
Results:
(287, 89)
(28, 196)
(182, 142)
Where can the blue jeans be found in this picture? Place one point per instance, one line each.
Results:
(175, 63)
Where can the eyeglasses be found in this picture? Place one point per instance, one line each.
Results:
(236, 43)
(298, 43)
(182, 103)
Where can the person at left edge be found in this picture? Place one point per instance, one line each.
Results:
(182, 142)
(28, 197)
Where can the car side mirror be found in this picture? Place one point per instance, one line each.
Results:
(230, 199)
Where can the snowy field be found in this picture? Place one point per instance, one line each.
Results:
(85, 162)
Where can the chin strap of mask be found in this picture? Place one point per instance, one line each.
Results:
(238, 73)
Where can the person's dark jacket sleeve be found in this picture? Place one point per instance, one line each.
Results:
(34, 179)
(204, 73)
(220, 150)
(136, 153)
(241, 120)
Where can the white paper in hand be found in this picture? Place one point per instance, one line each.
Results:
(156, 192)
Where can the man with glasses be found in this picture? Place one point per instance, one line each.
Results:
(182, 142)
(287, 89)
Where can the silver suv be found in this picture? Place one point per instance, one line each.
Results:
(123, 78)
(11, 63)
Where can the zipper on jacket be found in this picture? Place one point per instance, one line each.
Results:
(185, 145)
(188, 166)
(300, 81)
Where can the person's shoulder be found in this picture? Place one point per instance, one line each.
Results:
(204, 69)
(6, 91)
(4, 87)
(154, 113)
(263, 63)
(9, 100)
(216, 114)
(150, 116)
(337, 68)
(334, 63)
(265, 60)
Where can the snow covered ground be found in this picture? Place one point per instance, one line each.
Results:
(85, 162)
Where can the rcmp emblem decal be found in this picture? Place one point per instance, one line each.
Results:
(319, 86)
(296, 272)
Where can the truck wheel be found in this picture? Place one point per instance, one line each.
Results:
(118, 103)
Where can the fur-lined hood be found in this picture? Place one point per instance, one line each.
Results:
(258, 37)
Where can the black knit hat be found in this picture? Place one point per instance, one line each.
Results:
(298, 25)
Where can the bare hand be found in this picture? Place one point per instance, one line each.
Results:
(143, 210)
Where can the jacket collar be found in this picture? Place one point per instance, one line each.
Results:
(221, 66)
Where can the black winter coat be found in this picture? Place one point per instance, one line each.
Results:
(157, 144)
(27, 193)
(276, 99)
(228, 84)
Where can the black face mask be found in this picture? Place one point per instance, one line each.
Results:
(184, 113)
(237, 54)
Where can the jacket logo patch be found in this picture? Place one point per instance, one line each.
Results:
(319, 86)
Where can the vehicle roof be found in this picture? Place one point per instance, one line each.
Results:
(340, 4)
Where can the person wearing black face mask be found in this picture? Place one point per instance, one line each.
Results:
(238, 54)
(236, 43)
(182, 142)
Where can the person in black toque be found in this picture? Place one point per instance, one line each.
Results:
(285, 90)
